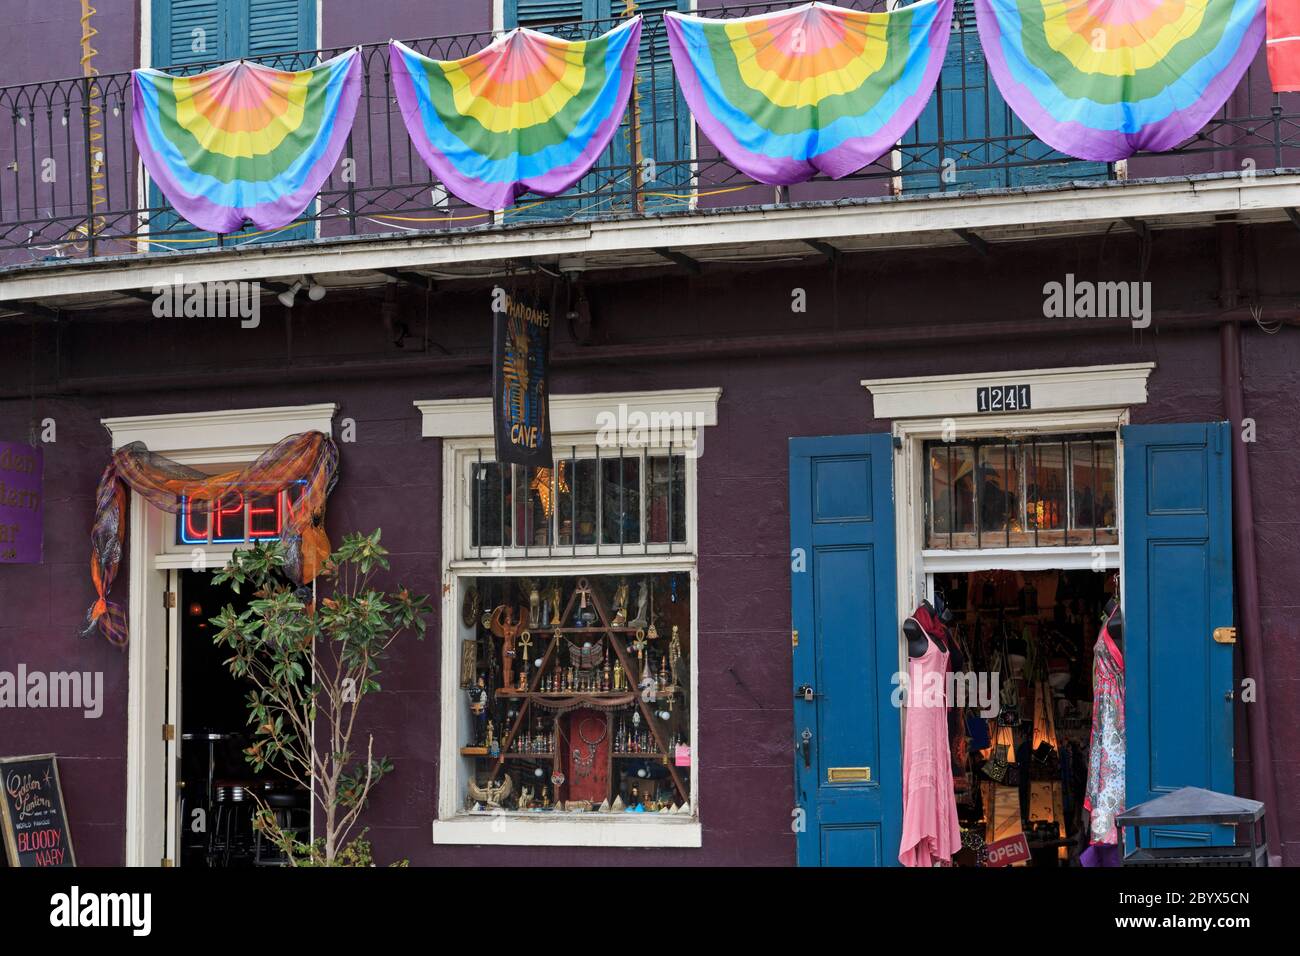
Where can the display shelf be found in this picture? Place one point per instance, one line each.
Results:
(625, 659)
(595, 629)
(561, 694)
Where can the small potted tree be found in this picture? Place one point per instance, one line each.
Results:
(311, 664)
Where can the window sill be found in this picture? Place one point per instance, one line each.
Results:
(562, 830)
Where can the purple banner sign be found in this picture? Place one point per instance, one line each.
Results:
(22, 503)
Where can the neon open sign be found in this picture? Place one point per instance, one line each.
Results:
(237, 518)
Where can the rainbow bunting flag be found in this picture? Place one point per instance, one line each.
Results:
(244, 141)
(1284, 45)
(1102, 79)
(814, 89)
(528, 112)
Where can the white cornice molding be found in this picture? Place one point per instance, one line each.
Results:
(1052, 390)
(574, 414)
(229, 435)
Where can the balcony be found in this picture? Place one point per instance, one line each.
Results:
(72, 187)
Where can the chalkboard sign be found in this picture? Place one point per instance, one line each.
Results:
(31, 812)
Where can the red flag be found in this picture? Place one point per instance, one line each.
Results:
(1284, 45)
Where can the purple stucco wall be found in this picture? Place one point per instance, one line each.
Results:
(42, 40)
(391, 478)
(347, 23)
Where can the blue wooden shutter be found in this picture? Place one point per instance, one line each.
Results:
(978, 128)
(665, 119)
(552, 16)
(540, 13)
(189, 31)
(230, 29)
(844, 608)
(1177, 590)
(279, 26)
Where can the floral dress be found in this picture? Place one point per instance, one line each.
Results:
(1104, 797)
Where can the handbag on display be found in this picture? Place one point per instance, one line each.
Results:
(1009, 696)
(995, 768)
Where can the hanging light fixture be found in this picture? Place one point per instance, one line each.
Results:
(287, 296)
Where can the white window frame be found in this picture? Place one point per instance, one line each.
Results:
(201, 440)
(470, 452)
(465, 426)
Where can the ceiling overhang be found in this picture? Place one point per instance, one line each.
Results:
(980, 221)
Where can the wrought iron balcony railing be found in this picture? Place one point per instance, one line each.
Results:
(71, 183)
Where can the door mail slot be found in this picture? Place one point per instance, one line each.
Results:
(848, 774)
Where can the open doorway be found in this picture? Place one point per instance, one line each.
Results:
(219, 792)
(1021, 765)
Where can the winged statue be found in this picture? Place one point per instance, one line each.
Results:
(493, 795)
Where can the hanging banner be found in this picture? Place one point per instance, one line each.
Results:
(1284, 45)
(244, 141)
(815, 89)
(1103, 79)
(521, 337)
(32, 818)
(528, 112)
(22, 503)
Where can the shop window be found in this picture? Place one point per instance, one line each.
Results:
(575, 641)
(1044, 491)
(578, 695)
(570, 625)
(587, 503)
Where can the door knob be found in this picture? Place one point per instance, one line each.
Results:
(805, 747)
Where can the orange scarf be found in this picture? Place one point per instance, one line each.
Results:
(310, 457)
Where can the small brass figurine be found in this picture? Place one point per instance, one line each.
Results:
(620, 604)
(555, 604)
(642, 601)
(478, 701)
(534, 605)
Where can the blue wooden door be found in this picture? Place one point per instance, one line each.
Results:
(200, 33)
(844, 611)
(1177, 590)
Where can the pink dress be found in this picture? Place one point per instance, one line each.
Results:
(931, 834)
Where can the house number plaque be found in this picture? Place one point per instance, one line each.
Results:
(1001, 398)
